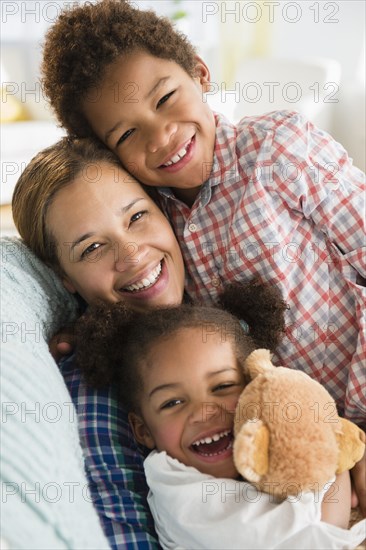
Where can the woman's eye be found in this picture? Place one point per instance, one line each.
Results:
(124, 136)
(164, 99)
(137, 216)
(90, 249)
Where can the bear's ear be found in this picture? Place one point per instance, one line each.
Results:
(251, 450)
(259, 362)
(351, 443)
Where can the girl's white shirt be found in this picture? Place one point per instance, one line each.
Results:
(195, 510)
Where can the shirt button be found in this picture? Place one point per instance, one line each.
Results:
(192, 227)
(215, 282)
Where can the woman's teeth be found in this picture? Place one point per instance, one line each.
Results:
(147, 281)
(178, 156)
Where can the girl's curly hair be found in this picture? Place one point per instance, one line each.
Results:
(86, 39)
(112, 341)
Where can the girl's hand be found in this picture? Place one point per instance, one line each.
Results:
(336, 505)
(358, 476)
(62, 343)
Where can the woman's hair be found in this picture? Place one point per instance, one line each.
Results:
(113, 341)
(47, 173)
(86, 39)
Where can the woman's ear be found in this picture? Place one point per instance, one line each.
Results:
(202, 74)
(141, 431)
(68, 284)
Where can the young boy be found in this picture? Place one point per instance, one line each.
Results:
(272, 196)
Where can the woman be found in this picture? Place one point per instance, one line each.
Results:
(83, 215)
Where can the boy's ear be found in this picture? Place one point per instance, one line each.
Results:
(202, 74)
(141, 431)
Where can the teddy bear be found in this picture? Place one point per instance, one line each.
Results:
(288, 437)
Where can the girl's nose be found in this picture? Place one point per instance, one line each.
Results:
(160, 136)
(205, 411)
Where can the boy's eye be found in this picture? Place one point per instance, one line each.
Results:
(125, 136)
(89, 250)
(164, 99)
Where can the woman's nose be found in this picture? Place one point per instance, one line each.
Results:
(160, 136)
(129, 256)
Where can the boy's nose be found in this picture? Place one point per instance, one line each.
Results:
(160, 135)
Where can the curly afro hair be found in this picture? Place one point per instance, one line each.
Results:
(112, 341)
(86, 39)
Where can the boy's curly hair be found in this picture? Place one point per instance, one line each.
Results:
(112, 341)
(86, 39)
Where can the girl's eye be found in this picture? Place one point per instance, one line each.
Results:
(125, 136)
(89, 250)
(170, 404)
(164, 99)
(224, 386)
(137, 216)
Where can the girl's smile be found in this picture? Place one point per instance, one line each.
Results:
(191, 385)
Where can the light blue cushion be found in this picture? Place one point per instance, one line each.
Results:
(45, 501)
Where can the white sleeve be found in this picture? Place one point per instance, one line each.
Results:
(194, 510)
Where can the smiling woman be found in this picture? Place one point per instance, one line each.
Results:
(82, 214)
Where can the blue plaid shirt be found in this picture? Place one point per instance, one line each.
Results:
(113, 463)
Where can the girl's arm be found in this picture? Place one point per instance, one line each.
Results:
(336, 505)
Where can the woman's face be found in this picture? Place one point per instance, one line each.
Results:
(113, 242)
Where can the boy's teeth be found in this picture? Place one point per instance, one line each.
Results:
(147, 281)
(215, 437)
(182, 153)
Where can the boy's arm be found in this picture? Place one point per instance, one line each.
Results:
(322, 183)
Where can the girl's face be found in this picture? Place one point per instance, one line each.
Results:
(154, 116)
(114, 243)
(191, 385)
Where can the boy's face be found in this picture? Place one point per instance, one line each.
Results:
(152, 114)
(113, 242)
(191, 385)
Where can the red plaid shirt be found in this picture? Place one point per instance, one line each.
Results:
(284, 202)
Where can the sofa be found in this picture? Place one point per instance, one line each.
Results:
(45, 502)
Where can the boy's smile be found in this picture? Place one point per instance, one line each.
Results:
(152, 114)
(191, 386)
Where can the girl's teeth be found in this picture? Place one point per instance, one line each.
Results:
(215, 437)
(147, 281)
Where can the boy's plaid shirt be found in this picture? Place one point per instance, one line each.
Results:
(283, 202)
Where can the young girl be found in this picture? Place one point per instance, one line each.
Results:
(179, 372)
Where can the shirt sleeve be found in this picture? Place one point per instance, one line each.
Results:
(114, 465)
(314, 175)
(193, 510)
(318, 179)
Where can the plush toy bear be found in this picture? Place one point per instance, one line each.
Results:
(288, 435)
